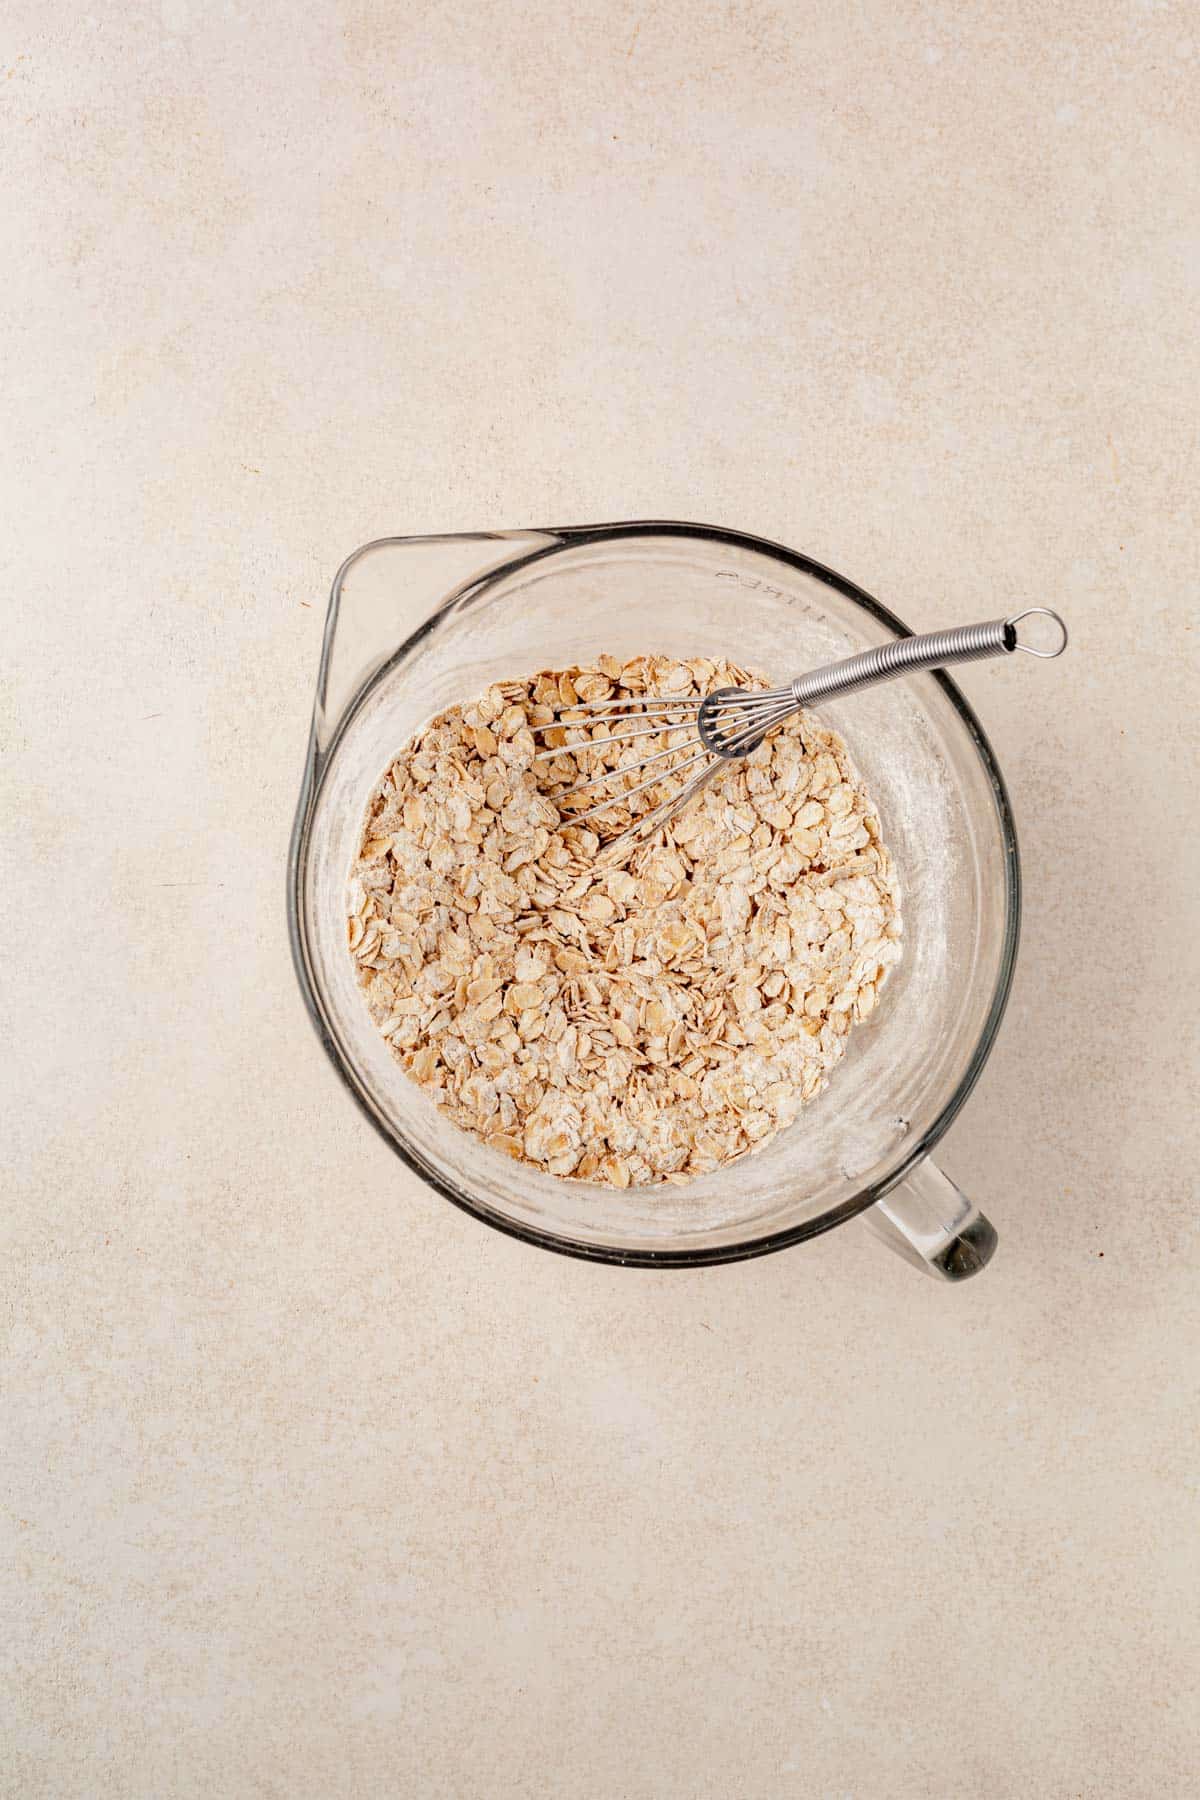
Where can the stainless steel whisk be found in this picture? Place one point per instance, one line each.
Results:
(731, 723)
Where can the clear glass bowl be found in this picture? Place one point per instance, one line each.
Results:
(415, 623)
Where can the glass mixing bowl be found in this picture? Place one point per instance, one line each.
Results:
(416, 623)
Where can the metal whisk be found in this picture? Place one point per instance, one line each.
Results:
(727, 725)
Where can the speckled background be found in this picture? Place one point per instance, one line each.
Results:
(312, 1486)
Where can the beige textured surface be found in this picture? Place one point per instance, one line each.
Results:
(312, 1486)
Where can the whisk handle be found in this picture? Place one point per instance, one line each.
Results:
(932, 650)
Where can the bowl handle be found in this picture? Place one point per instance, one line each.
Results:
(929, 1222)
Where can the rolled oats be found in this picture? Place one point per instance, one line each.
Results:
(628, 1025)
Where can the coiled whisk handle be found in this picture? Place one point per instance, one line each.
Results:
(931, 650)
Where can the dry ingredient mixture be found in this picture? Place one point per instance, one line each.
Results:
(632, 1024)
